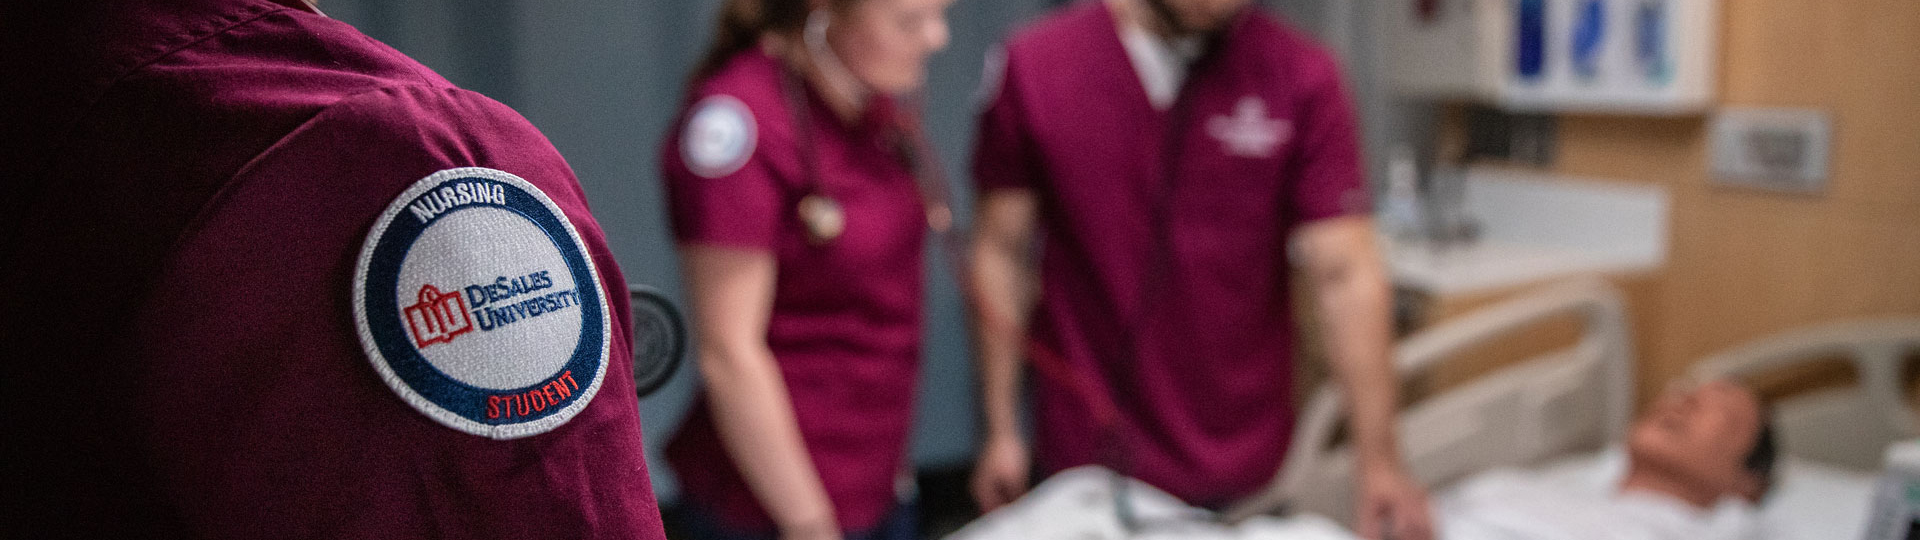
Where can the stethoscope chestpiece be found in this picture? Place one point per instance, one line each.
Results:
(822, 217)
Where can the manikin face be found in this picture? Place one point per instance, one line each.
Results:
(1702, 435)
(885, 43)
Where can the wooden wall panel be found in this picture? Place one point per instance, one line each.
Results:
(1744, 263)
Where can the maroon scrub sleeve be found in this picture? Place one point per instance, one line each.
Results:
(1329, 179)
(1003, 152)
(740, 209)
(302, 433)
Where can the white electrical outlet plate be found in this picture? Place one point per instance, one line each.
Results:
(1771, 148)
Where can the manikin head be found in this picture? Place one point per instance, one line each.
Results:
(1706, 441)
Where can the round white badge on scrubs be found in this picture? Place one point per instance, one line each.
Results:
(479, 305)
(719, 136)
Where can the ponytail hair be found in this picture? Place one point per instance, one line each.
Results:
(741, 24)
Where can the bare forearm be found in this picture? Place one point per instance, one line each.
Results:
(1358, 337)
(1355, 303)
(756, 423)
(1001, 297)
(1000, 326)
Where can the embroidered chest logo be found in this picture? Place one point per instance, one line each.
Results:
(1249, 132)
(479, 306)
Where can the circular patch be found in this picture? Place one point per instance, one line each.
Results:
(719, 136)
(478, 304)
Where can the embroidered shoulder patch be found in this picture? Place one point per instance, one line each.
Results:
(719, 136)
(478, 304)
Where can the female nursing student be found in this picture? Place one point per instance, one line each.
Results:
(800, 221)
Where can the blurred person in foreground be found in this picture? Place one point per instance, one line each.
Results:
(265, 277)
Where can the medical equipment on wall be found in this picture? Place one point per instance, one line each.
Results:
(1606, 56)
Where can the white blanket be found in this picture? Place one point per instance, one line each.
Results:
(1078, 504)
(1810, 502)
(1520, 505)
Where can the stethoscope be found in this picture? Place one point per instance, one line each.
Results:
(821, 215)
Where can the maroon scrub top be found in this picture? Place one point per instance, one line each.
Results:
(191, 184)
(1164, 268)
(846, 319)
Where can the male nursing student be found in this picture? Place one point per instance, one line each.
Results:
(265, 277)
(1170, 162)
(801, 221)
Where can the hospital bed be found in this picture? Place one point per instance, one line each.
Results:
(1560, 414)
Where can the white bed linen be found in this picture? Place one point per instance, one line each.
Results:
(1512, 504)
(1810, 500)
(1078, 504)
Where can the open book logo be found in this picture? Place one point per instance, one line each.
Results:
(438, 318)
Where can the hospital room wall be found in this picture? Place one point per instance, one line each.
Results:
(1746, 264)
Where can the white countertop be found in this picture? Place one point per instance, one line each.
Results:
(1537, 227)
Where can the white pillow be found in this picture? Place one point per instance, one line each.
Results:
(1815, 501)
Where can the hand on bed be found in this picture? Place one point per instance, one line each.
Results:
(1000, 476)
(1392, 506)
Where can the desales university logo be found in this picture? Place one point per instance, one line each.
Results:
(477, 303)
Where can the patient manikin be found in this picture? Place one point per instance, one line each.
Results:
(1697, 464)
